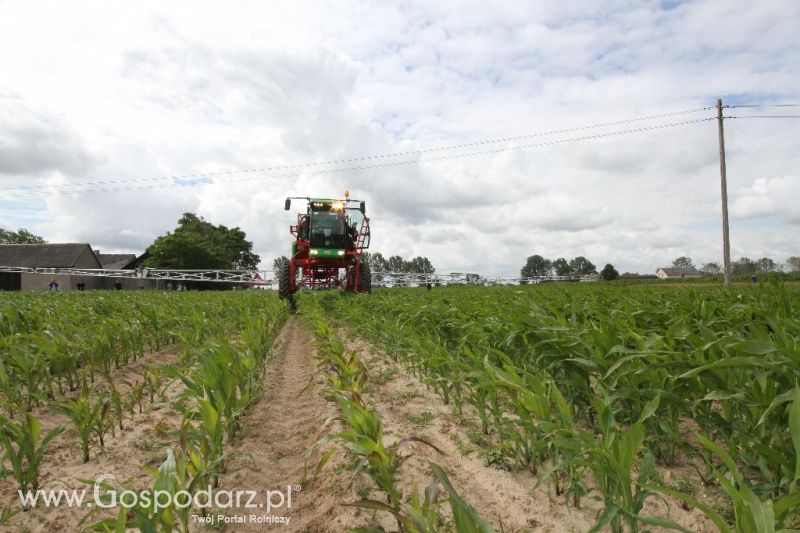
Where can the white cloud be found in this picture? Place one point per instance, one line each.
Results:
(150, 90)
(768, 197)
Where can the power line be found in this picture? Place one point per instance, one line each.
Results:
(761, 105)
(400, 163)
(360, 158)
(765, 116)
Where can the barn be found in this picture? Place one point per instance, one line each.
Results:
(68, 255)
(677, 273)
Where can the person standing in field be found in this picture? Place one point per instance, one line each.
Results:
(53, 286)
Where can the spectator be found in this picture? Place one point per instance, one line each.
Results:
(53, 286)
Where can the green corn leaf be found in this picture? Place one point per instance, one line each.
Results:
(779, 400)
(722, 454)
(650, 408)
(785, 503)
(794, 430)
(731, 362)
(708, 511)
(662, 522)
(631, 443)
(609, 513)
(754, 347)
(465, 518)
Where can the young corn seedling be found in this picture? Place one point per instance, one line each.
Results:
(116, 406)
(750, 512)
(153, 381)
(157, 512)
(612, 461)
(10, 389)
(422, 514)
(85, 417)
(21, 447)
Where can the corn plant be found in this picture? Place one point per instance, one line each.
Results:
(136, 396)
(727, 360)
(116, 403)
(87, 418)
(422, 514)
(23, 450)
(154, 382)
(147, 515)
(750, 512)
(363, 438)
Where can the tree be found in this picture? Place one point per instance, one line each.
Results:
(196, 243)
(744, 265)
(711, 269)
(683, 262)
(609, 273)
(561, 267)
(793, 263)
(396, 264)
(536, 265)
(765, 264)
(378, 263)
(278, 262)
(580, 266)
(22, 236)
(419, 265)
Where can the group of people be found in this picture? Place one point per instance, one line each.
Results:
(53, 286)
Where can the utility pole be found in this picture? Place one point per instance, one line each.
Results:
(726, 241)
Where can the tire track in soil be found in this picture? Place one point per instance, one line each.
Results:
(280, 429)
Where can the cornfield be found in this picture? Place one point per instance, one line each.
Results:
(593, 388)
(63, 353)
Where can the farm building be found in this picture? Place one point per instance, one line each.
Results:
(677, 273)
(115, 261)
(68, 255)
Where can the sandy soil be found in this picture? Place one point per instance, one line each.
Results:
(281, 429)
(139, 443)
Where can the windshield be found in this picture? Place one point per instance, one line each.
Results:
(328, 229)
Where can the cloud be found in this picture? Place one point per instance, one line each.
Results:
(769, 197)
(149, 94)
(35, 142)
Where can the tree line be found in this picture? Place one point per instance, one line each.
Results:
(538, 266)
(743, 265)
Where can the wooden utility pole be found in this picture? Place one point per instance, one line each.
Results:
(726, 241)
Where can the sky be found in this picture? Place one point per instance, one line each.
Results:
(117, 117)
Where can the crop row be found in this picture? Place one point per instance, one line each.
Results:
(224, 339)
(362, 435)
(613, 381)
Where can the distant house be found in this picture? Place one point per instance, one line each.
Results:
(677, 273)
(70, 255)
